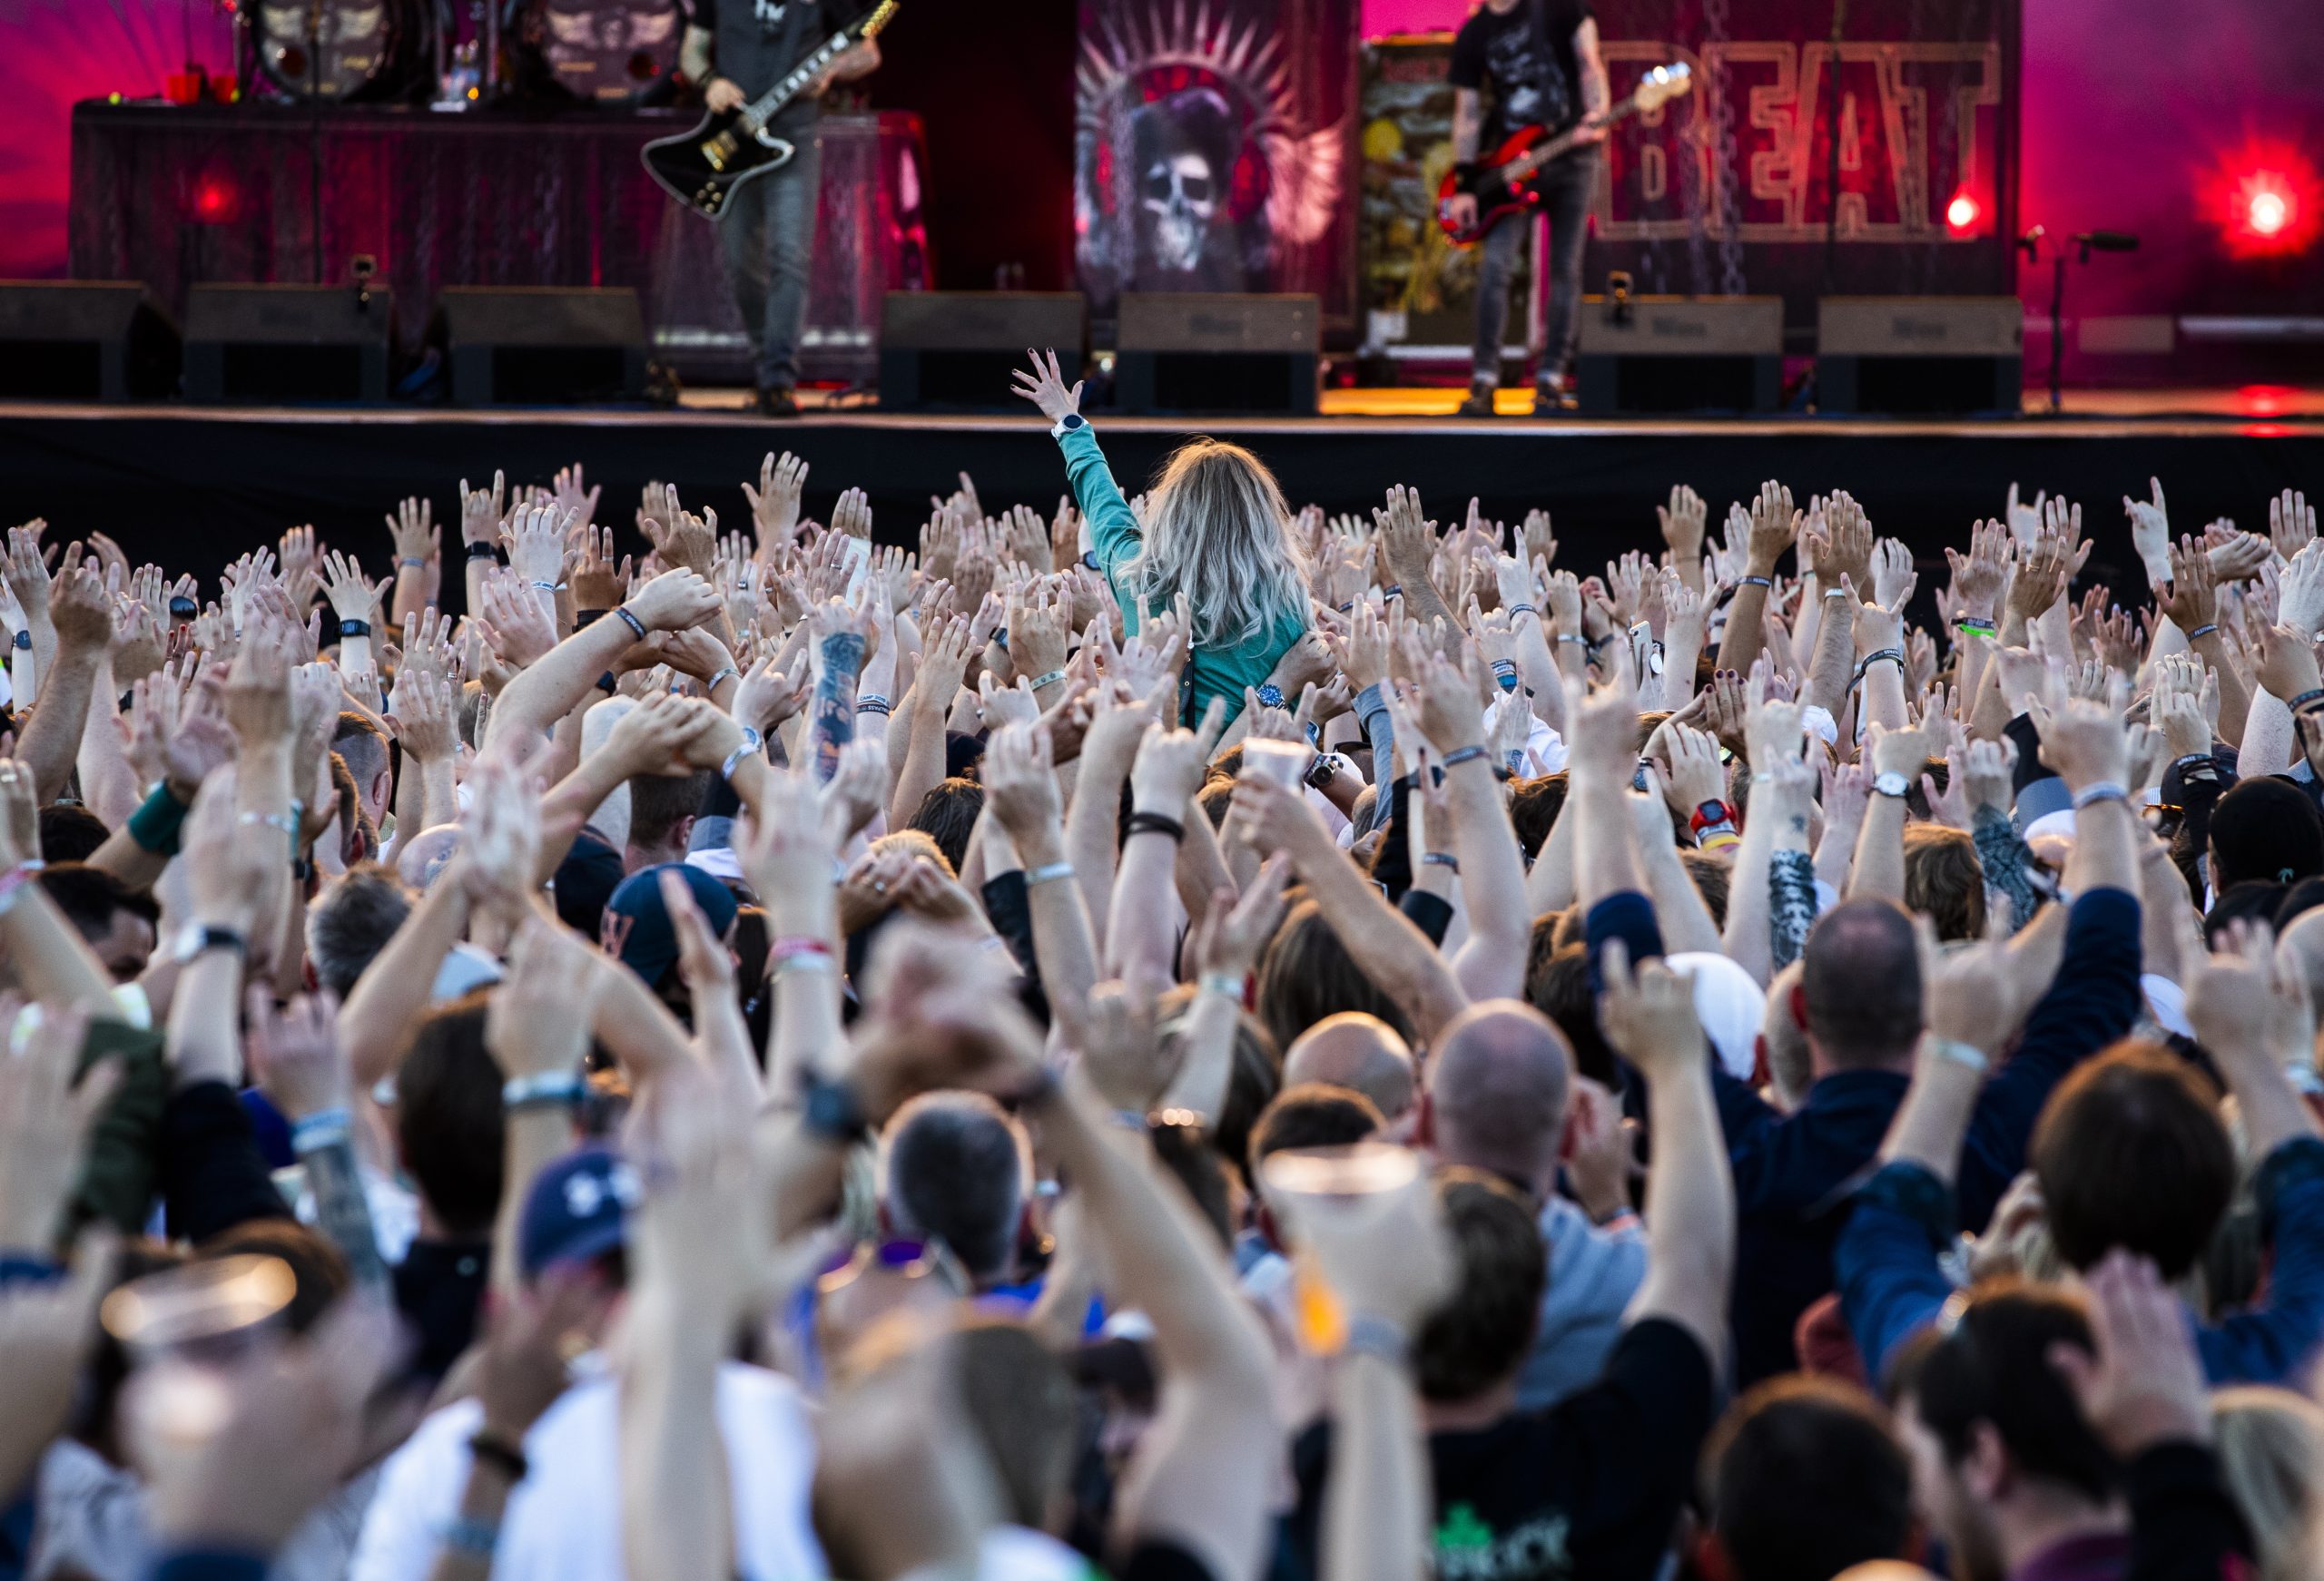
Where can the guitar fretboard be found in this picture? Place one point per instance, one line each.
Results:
(804, 72)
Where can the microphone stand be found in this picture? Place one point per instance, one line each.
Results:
(1832, 159)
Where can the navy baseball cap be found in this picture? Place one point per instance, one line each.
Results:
(577, 1210)
(649, 941)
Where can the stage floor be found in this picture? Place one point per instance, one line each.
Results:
(156, 477)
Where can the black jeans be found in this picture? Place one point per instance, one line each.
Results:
(768, 232)
(1565, 187)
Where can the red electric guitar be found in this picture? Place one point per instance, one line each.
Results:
(1503, 181)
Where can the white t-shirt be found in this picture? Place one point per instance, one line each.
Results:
(562, 1522)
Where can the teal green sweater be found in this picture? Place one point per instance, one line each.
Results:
(1221, 673)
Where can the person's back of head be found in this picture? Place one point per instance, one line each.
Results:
(1534, 806)
(1021, 1401)
(1306, 974)
(69, 832)
(2301, 946)
(1218, 530)
(662, 810)
(2267, 828)
(1500, 1078)
(947, 815)
(1352, 1049)
(350, 923)
(1944, 880)
(1313, 1114)
(1790, 1069)
(1999, 1428)
(362, 746)
(451, 1129)
(1803, 1478)
(1712, 878)
(2129, 1152)
(116, 921)
(1475, 1341)
(955, 1168)
(1860, 980)
(2271, 1446)
(1557, 984)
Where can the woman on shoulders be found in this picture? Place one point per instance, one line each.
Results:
(1216, 529)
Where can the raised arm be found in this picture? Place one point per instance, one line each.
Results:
(544, 692)
(1649, 1018)
(1140, 937)
(1775, 524)
(1021, 793)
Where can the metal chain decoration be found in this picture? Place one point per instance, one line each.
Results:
(1729, 204)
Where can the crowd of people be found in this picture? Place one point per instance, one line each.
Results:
(1173, 1037)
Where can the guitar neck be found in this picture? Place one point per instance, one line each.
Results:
(769, 103)
(1541, 154)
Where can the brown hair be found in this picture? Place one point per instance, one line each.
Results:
(1482, 1331)
(1307, 974)
(1945, 880)
(2129, 1152)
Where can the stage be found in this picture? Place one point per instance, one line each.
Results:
(231, 478)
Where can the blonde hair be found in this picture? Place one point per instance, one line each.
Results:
(1218, 531)
(2271, 1458)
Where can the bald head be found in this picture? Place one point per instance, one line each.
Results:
(1497, 1092)
(2302, 947)
(1352, 1049)
(424, 855)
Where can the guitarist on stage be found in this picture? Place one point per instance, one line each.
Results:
(737, 50)
(1539, 59)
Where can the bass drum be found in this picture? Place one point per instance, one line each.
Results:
(331, 49)
(601, 52)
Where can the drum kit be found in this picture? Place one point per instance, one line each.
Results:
(598, 51)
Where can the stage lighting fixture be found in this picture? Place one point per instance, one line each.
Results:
(1962, 212)
(2266, 213)
(2267, 201)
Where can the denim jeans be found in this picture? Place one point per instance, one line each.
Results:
(769, 236)
(1565, 187)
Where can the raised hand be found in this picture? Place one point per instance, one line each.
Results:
(575, 500)
(1683, 521)
(1775, 525)
(1649, 1016)
(2292, 523)
(481, 511)
(1045, 386)
(774, 503)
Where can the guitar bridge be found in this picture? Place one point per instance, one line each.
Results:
(718, 150)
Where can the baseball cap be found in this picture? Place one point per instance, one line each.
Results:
(649, 947)
(578, 1210)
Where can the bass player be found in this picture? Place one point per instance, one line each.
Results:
(769, 230)
(1539, 60)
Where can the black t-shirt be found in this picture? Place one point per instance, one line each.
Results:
(1523, 61)
(755, 43)
(1588, 1490)
(439, 1289)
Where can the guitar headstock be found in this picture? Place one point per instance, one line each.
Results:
(1662, 85)
(885, 13)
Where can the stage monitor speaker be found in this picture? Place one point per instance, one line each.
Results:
(84, 340)
(287, 343)
(1217, 353)
(539, 346)
(1916, 356)
(956, 349)
(1680, 354)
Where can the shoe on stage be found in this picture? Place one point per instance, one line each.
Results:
(1480, 402)
(778, 401)
(1553, 396)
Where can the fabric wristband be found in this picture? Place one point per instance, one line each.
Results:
(632, 622)
(2103, 790)
(1453, 760)
(320, 1129)
(541, 1089)
(1765, 582)
(484, 552)
(2305, 701)
(354, 628)
(1049, 677)
(1047, 873)
(1441, 860)
(1378, 1338)
(1960, 1053)
(2203, 631)
(1157, 823)
(155, 824)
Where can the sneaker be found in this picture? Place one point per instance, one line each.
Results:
(1552, 396)
(1480, 401)
(778, 401)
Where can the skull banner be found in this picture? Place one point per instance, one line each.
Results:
(1213, 149)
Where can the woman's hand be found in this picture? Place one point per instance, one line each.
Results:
(1045, 387)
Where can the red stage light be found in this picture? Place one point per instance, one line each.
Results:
(2266, 200)
(213, 200)
(1963, 212)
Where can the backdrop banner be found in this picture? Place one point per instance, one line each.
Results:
(1213, 144)
(1727, 191)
